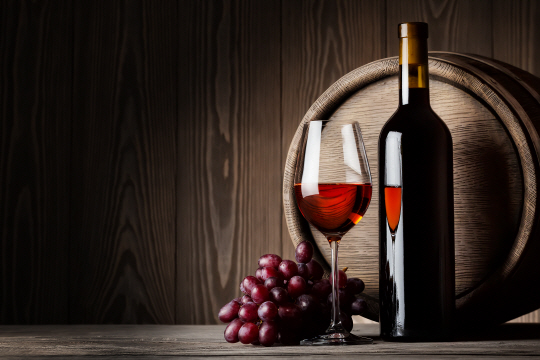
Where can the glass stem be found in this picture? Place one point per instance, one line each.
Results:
(393, 234)
(394, 269)
(335, 324)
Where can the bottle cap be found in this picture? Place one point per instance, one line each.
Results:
(413, 29)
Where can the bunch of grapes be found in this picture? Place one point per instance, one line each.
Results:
(286, 301)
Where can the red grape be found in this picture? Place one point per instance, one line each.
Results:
(309, 286)
(285, 302)
(316, 271)
(288, 269)
(321, 288)
(355, 285)
(249, 282)
(269, 260)
(345, 299)
(229, 312)
(321, 324)
(231, 331)
(268, 333)
(342, 279)
(269, 272)
(307, 304)
(358, 307)
(304, 252)
(248, 312)
(246, 299)
(260, 294)
(273, 282)
(258, 274)
(346, 321)
(288, 337)
(279, 296)
(290, 315)
(267, 311)
(297, 286)
(303, 271)
(309, 328)
(248, 333)
(325, 310)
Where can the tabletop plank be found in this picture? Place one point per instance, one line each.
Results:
(91, 341)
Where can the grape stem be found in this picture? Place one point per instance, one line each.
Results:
(335, 325)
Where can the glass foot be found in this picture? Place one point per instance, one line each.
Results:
(337, 339)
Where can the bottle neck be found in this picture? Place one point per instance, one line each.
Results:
(413, 72)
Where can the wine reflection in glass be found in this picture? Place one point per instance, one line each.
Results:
(392, 182)
(392, 203)
(333, 190)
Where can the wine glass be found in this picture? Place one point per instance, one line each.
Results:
(332, 186)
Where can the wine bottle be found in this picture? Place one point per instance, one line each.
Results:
(416, 212)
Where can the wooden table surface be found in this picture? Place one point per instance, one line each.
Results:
(169, 341)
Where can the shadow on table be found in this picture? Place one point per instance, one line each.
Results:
(513, 331)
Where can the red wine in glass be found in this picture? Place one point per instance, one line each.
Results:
(336, 208)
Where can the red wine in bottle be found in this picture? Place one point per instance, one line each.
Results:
(392, 203)
(333, 208)
(416, 226)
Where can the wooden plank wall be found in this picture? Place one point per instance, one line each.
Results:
(142, 142)
(229, 179)
(123, 166)
(36, 67)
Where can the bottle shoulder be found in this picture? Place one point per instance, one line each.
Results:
(410, 119)
(422, 127)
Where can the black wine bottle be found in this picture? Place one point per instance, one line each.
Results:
(416, 212)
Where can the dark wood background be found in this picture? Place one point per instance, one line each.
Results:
(142, 143)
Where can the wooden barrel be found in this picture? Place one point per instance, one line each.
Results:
(493, 112)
